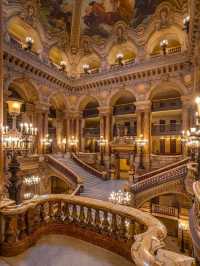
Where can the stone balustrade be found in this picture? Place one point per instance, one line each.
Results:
(76, 179)
(194, 221)
(164, 210)
(129, 232)
(161, 178)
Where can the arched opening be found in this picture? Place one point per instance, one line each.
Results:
(59, 59)
(90, 110)
(166, 121)
(170, 208)
(58, 186)
(176, 42)
(124, 130)
(89, 64)
(20, 33)
(122, 54)
(56, 125)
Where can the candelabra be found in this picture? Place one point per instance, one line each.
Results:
(183, 226)
(141, 142)
(46, 143)
(102, 143)
(73, 143)
(31, 182)
(15, 141)
(120, 197)
(163, 46)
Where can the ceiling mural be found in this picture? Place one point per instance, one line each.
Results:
(56, 15)
(98, 17)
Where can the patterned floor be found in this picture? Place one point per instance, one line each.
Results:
(55, 250)
(94, 187)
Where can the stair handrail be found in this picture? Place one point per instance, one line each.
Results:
(89, 168)
(162, 169)
(163, 177)
(64, 169)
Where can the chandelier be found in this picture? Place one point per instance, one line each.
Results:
(120, 197)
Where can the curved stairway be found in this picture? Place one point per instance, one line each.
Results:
(94, 187)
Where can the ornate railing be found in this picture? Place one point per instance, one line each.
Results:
(91, 132)
(89, 168)
(194, 221)
(161, 178)
(122, 109)
(90, 112)
(163, 169)
(62, 168)
(136, 235)
(166, 129)
(164, 210)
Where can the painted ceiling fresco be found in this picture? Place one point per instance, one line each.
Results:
(99, 16)
(56, 15)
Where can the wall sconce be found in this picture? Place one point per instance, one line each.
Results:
(163, 46)
(63, 65)
(119, 58)
(86, 68)
(186, 24)
(29, 43)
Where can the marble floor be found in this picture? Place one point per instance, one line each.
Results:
(56, 250)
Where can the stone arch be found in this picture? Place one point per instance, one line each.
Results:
(20, 30)
(92, 60)
(127, 48)
(121, 93)
(59, 100)
(26, 89)
(173, 34)
(86, 100)
(171, 191)
(176, 86)
(56, 55)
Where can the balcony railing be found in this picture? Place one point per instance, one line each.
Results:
(165, 210)
(167, 104)
(131, 132)
(122, 109)
(92, 112)
(91, 132)
(166, 129)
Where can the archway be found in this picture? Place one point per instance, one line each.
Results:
(58, 186)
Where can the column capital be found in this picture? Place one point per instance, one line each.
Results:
(143, 106)
(105, 110)
(42, 106)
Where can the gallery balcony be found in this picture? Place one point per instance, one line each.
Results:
(166, 104)
(91, 132)
(123, 109)
(166, 129)
(92, 112)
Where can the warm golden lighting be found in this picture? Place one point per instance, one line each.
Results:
(14, 107)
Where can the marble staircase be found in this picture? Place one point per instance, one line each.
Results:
(94, 187)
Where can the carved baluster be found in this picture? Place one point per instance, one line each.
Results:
(97, 221)
(105, 223)
(37, 218)
(30, 220)
(74, 214)
(114, 228)
(89, 219)
(10, 229)
(82, 216)
(66, 213)
(51, 211)
(131, 230)
(122, 227)
(21, 221)
(42, 214)
(58, 211)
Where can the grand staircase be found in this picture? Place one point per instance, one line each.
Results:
(94, 187)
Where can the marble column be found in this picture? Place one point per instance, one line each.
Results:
(78, 132)
(1, 103)
(82, 139)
